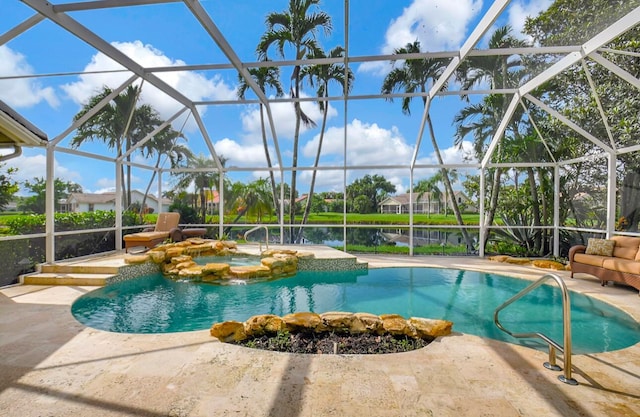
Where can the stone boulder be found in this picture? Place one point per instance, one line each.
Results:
(157, 257)
(180, 259)
(249, 271)
(136, 259)
(174, 252)
(219, 270)
(228, 331)
(339, 321)
(430, 327)
(192, 271)
(264, 324)
(304, 322)
(365, 323)
(396, 325)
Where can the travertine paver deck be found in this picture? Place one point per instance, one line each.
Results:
(51, 365)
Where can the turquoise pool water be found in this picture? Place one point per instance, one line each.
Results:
(154, 304)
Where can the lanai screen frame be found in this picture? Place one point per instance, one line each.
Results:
(59, 14)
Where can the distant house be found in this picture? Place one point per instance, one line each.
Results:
(428, 203)
(212, 198)
(85, 202)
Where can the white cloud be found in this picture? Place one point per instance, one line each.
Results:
(368, 144)
(106, 183)
(521, 9)
(438, 24)
(21, 92)
(325, 180)
(241, 154)
(283, 119)
(35, 166)
(455, 155)
(194, 86)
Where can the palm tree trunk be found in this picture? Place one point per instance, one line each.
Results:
(545, 207)
(274, 191)
(535, 211)
(227, 229)
(123, 181)
(294, 159)
(307, 207)
(128, 146)
(203, 204)
(144, 197)
(447, 183)
(493, 201)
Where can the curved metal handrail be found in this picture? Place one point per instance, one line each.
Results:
(553, 345)
(266, 231)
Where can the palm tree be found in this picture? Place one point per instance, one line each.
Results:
(322, 75)
(164, 143)
(296, 27)
(203, 175)
(413, 76)
(252, 199)
(428, 187)
(264, 77)
(453, 177)
(120, 124)
(498, 70)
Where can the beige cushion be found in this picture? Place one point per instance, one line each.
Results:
(626, 247)
(594, 260)
(146, 236)
(622, 265)
(167, 221)
(602, 247)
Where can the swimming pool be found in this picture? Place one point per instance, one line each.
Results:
(154, 304)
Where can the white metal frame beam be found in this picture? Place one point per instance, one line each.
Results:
(481, 28)
(619, 27)
(83, 33)
(207, 23)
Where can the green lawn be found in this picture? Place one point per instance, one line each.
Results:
(326, 218)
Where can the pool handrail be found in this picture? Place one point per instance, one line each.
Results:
(266, 231)
(553, 345)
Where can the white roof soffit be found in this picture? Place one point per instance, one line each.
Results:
(18, 131)
(618, 28)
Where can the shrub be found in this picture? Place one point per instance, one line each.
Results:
(67, 246)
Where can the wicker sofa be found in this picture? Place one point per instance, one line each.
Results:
(623, 265)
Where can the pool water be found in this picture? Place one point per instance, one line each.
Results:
(154, 304)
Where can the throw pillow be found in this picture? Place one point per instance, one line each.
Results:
(602, 247)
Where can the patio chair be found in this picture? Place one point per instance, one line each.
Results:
(149, 238)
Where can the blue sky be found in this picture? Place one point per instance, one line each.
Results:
(168, 34)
